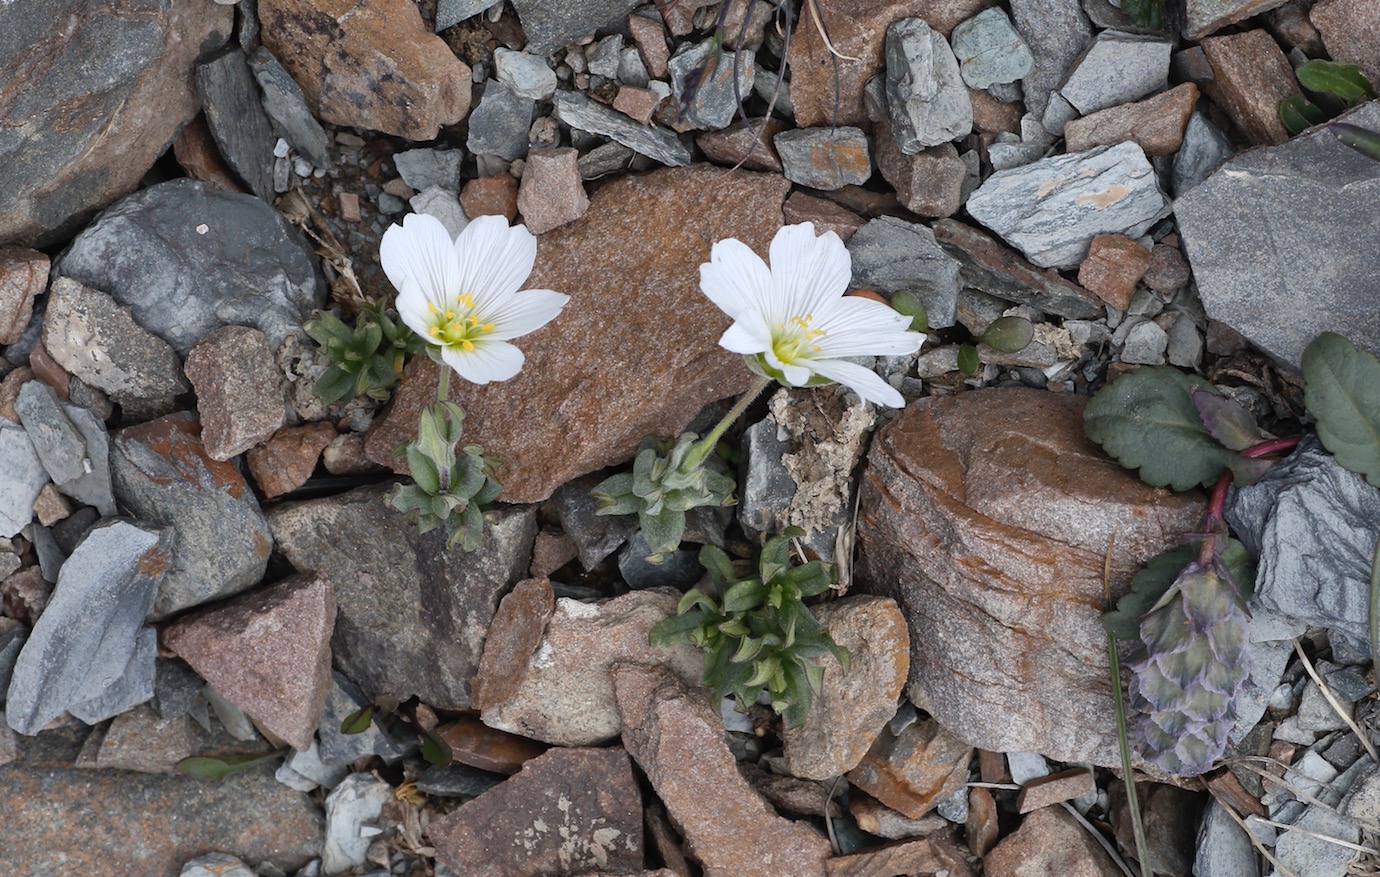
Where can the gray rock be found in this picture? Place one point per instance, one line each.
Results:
(1058, 113)
(926, 98)
(443, 204)
(527, 75)
(337, 748)
(989, 49)
(1185, 342)
(131, 688)
(1145, 344)
(423, 168)
(774, 90)
(602, 58)
(1117, 68)
(1317, 714)
(1312, 526)
(1289, 229)
(12, 639)
(631, 70)
(578, 111)
(678, 569)
(1056, 32)
(709, 100)
(357, 801)
(451, 12)
(287, 108)
(550, 25)
(499, 124)
(1051, 209)
(89, 632)
(609, 158)
(1308, 851)
(457, 781)
(991, 268)
(22, 476)
(890, 254)
(1204, 150)
(71, 442)
(412, 614)
(175, 687)
(186, 257)
(163, 475)
(1026, 766)
(1224, 847)
(1271, 650)
(595, 536)
(825, 158)
(51, 557)
(235, 115)
(98, 341)
(307, 765)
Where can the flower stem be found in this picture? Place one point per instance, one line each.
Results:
(706, 445)
(1273, 446)
(443, 384)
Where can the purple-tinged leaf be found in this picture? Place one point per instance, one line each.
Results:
(1227, 421)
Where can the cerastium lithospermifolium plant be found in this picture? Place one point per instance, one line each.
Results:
(793, 324)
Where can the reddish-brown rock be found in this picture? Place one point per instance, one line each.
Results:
(197, 154)
(938, 853)
(649, 35)
(566, 811)
(141, 740)
(678, 741)
(491, 196)
(982, 828)
(991, 116)
(23, 275)
(913, 771)
(552, 193)
(552, 550)
(513, 637)
(474, 743)
(740, 143)
(268, 652)
(874, 817)
(929, 183)
(1350, 30)
(238, 391)
(1062, 786)
(1250, 77)
(636, 103)
(1113, 267)
(826, 215)
(371, 64)
(1156, 123)
(635, 352)
(1049, 841)
(285, 462)
(987, 516)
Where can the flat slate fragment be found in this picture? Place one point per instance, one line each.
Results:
(578, 111)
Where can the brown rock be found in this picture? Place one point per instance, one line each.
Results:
(552, 193)
(9, 391)
(990, 265)
(936, 854)
(992, 767)
(85, 124)
(553, 550)
(982, 826)
(372, 64)
(238, 392)
(874, 817)
(636, 103)
(23, 275)
(678, 741)
(1156, 123)
(345, 456)
(1209, 16)
(636, 350)
(285, 462)
(1113, 267)
(1062, 786)
(141, 740)
(513, 637)
(791, 794)
(561, 691)
(992, 116)
(1049, 841)
(666, 841)
(1351, 31)
(826, 215)
(852, 707)
(491, 196)
(51, 506)
(197, 154)
(1250, 77)
(738, 145)
(567, 811)
(929, 183)
(25, 594)
(1170, 816)
(915, 770)
(649, 35)
(267, 652)
(49, 370)
(476, 744)
(1168, 269)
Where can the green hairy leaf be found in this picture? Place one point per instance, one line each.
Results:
(1344, 81)
(1342, 390)
(968, 361)
(1147, 587)
(1226, 420)
(214, 767)
(1008, 334)
(435, 750)
(908, 304)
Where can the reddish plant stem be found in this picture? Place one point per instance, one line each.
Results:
(1217, 500)
(1273, 446)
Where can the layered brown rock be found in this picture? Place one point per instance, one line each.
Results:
(635, 352)
(938, 853)
(286, 461)
(744, 145)
(1113, 267)
(1156, 123)
(929, 183)
(1050, 841)
(826, 215)
(1250, 77)
(913, 771)
(552, 193)
(372, 64)
(237, 387)
(987, 516)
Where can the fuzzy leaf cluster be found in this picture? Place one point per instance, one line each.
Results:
(1149, 585)
(451, 484)
(367, 358)
(756, 632)
(1342, 391)
(664, 484)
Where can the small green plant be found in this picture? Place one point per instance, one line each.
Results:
(367, 358)
(435, 750)
(756, 632)
(1004, 335)
(1332, 87)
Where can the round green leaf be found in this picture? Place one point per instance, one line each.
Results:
(1342, 390)
(968, 361)
(1008, 334)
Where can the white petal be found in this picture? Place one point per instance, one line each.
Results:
(494, 258)
(421, 248)
(795, 375)
(736, 279)
(808, 273)
(863, 381)
(488, 361)
(525, 312)
(856, 326)
(412, 307)
(743, 337)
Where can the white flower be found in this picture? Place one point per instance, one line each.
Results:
(462, 295)
(793, 323)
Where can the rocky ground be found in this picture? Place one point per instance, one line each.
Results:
(197, 558)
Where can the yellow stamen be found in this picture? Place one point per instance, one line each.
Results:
(435, 330)
(467, 344)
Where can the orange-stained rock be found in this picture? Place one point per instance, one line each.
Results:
(826, 215)
(474, 743)
(1049, 841)
(23, 275)
(491, 196)
(368, 63)
(197, 154)
(913, 771)
(285, 462)
(1156, 123)
(1250, 77)
(938, 853)
(513, 637)
(987, 516)
(1062, 786)
(1113, 267)
(636, 349)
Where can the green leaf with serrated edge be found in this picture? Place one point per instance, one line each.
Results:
(1226, 420)
(435, 750)
(1346, 81)
(358, 721)
(968, 361)
(1342, 391)
(1146, 420)
(1147, 586)
(214, 767)
(1297, 114)
(1365, 142)
(1009, 334)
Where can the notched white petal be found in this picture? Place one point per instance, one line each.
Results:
(488, 362)
(421, 248)
(523, 313)
(494, 258)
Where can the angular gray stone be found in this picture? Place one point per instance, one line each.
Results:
(131, 688)
(451, 12)
(926, 98)
(175, 687)
(1204, 150)
(825, 158)
(1052, 208)
(89, 632)
(236, 118)
(527, 75)
(186, 257)
(578, 111)
(709, 100)
(1117, 68)
(1145, 344)
(499, 124)
(13, 635)
(96, 339)
(163, 475)
(71, 442)
(22, 476)
(1289, 229)
(337, 748)
(991, 268)
(357, 801)
(595, 536)
(443, 204)
(602, 58)
(550, 24)
(1056, 32)
(890, 254)
(412, 615)
(1224, 848)
(287, 108)
(990, 50)
(1312, 526)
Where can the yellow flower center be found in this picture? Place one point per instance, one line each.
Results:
(795, 338)
(457, 326)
